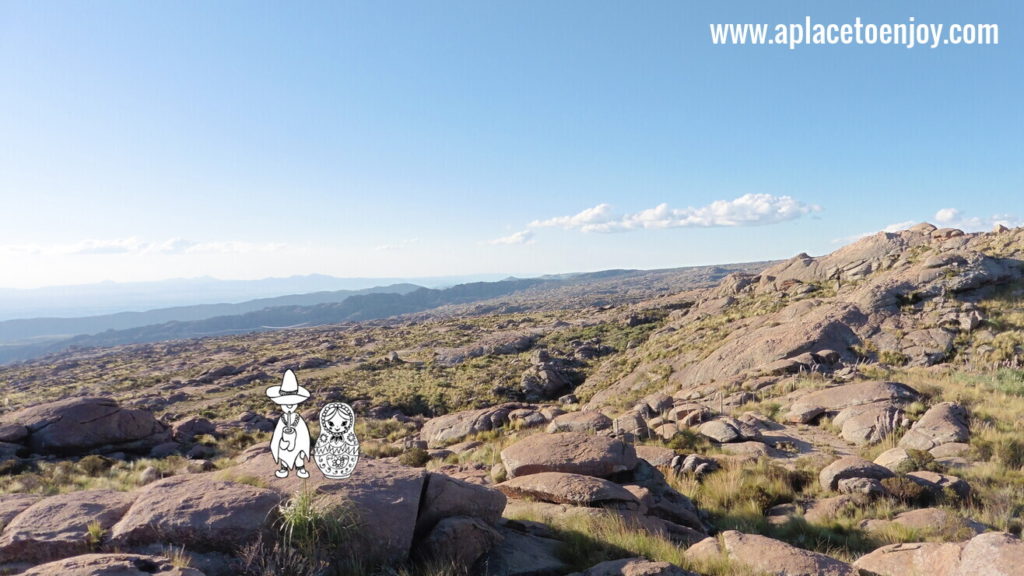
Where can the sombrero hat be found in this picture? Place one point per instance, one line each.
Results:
(289, 392)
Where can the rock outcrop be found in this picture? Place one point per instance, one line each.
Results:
(570, 452)
(81, 425)
(769, 555)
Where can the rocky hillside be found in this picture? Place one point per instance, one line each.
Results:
(857, 413)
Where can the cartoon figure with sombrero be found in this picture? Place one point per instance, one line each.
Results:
(290, 444)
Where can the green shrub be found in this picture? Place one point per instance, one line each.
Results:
(416, 457)
(1010, 453)
(94, 465)
(908, 492)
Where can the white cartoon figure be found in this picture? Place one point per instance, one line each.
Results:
(290, 444)
(337, 448)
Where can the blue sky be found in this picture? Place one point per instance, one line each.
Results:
(244, 140)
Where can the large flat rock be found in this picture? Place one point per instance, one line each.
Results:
(770, 555)
(570, 452)
(198, 512)
(58, 526)
(385, 496)
(111, 565)
(942, 424)
(564, 488)
(77, 425)
(813, 404)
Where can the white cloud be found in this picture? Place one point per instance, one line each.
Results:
(946, 215)
(586, 220)
(521, 237)
(747, 210)
(954, 218)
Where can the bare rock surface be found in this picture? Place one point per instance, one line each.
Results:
(583, 421)
(111, 565)
(726, 429)
(634, 567)
(834, 399)
(58, 526)
(868, 424)
(893, 458)
(13, 504)
(941, 424)
(938, 483)
(77, 425)
(989, 554)
(992, 554)
(198, 512)
(459, 540)
(385, 496)
(851, 467)
(656, 456)
(446, 497)
(525, 549)
(563, 488)
(457, 425)
(568, 452)
(930, 558)
(770, 555)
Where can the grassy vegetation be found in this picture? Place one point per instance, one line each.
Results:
(589, 539)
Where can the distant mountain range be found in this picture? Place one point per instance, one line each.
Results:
(23, 339)
(112, 297)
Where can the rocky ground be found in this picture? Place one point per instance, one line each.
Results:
(857, 413)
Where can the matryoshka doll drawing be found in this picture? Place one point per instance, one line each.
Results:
(290, 444)
(337, 449)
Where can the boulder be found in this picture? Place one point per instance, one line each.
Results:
(950, 450)
(186, 430)
(826, 509)
(58, 526)
(851, 467)
(78, 425)
(446, 497)
(726, 429)
(563, 488)
(663, 501)
(869, 423)
(525, 549)
(13, 433)
(457, 425)
(893, 458)
(811, 405)
(689, 414)
(197, 512)
(634, 567)
(992, 554)
(937, 520)
(988, 554)
(655, 455)
(459, 540)
(13, 504)
(583, 421)
(865, 486)
(570, 452)
(111, 565)
(938, 483)
(941, 424)
(768, 555)
(657, 403)
(632, 423)
(385, 496)
(931, 558)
